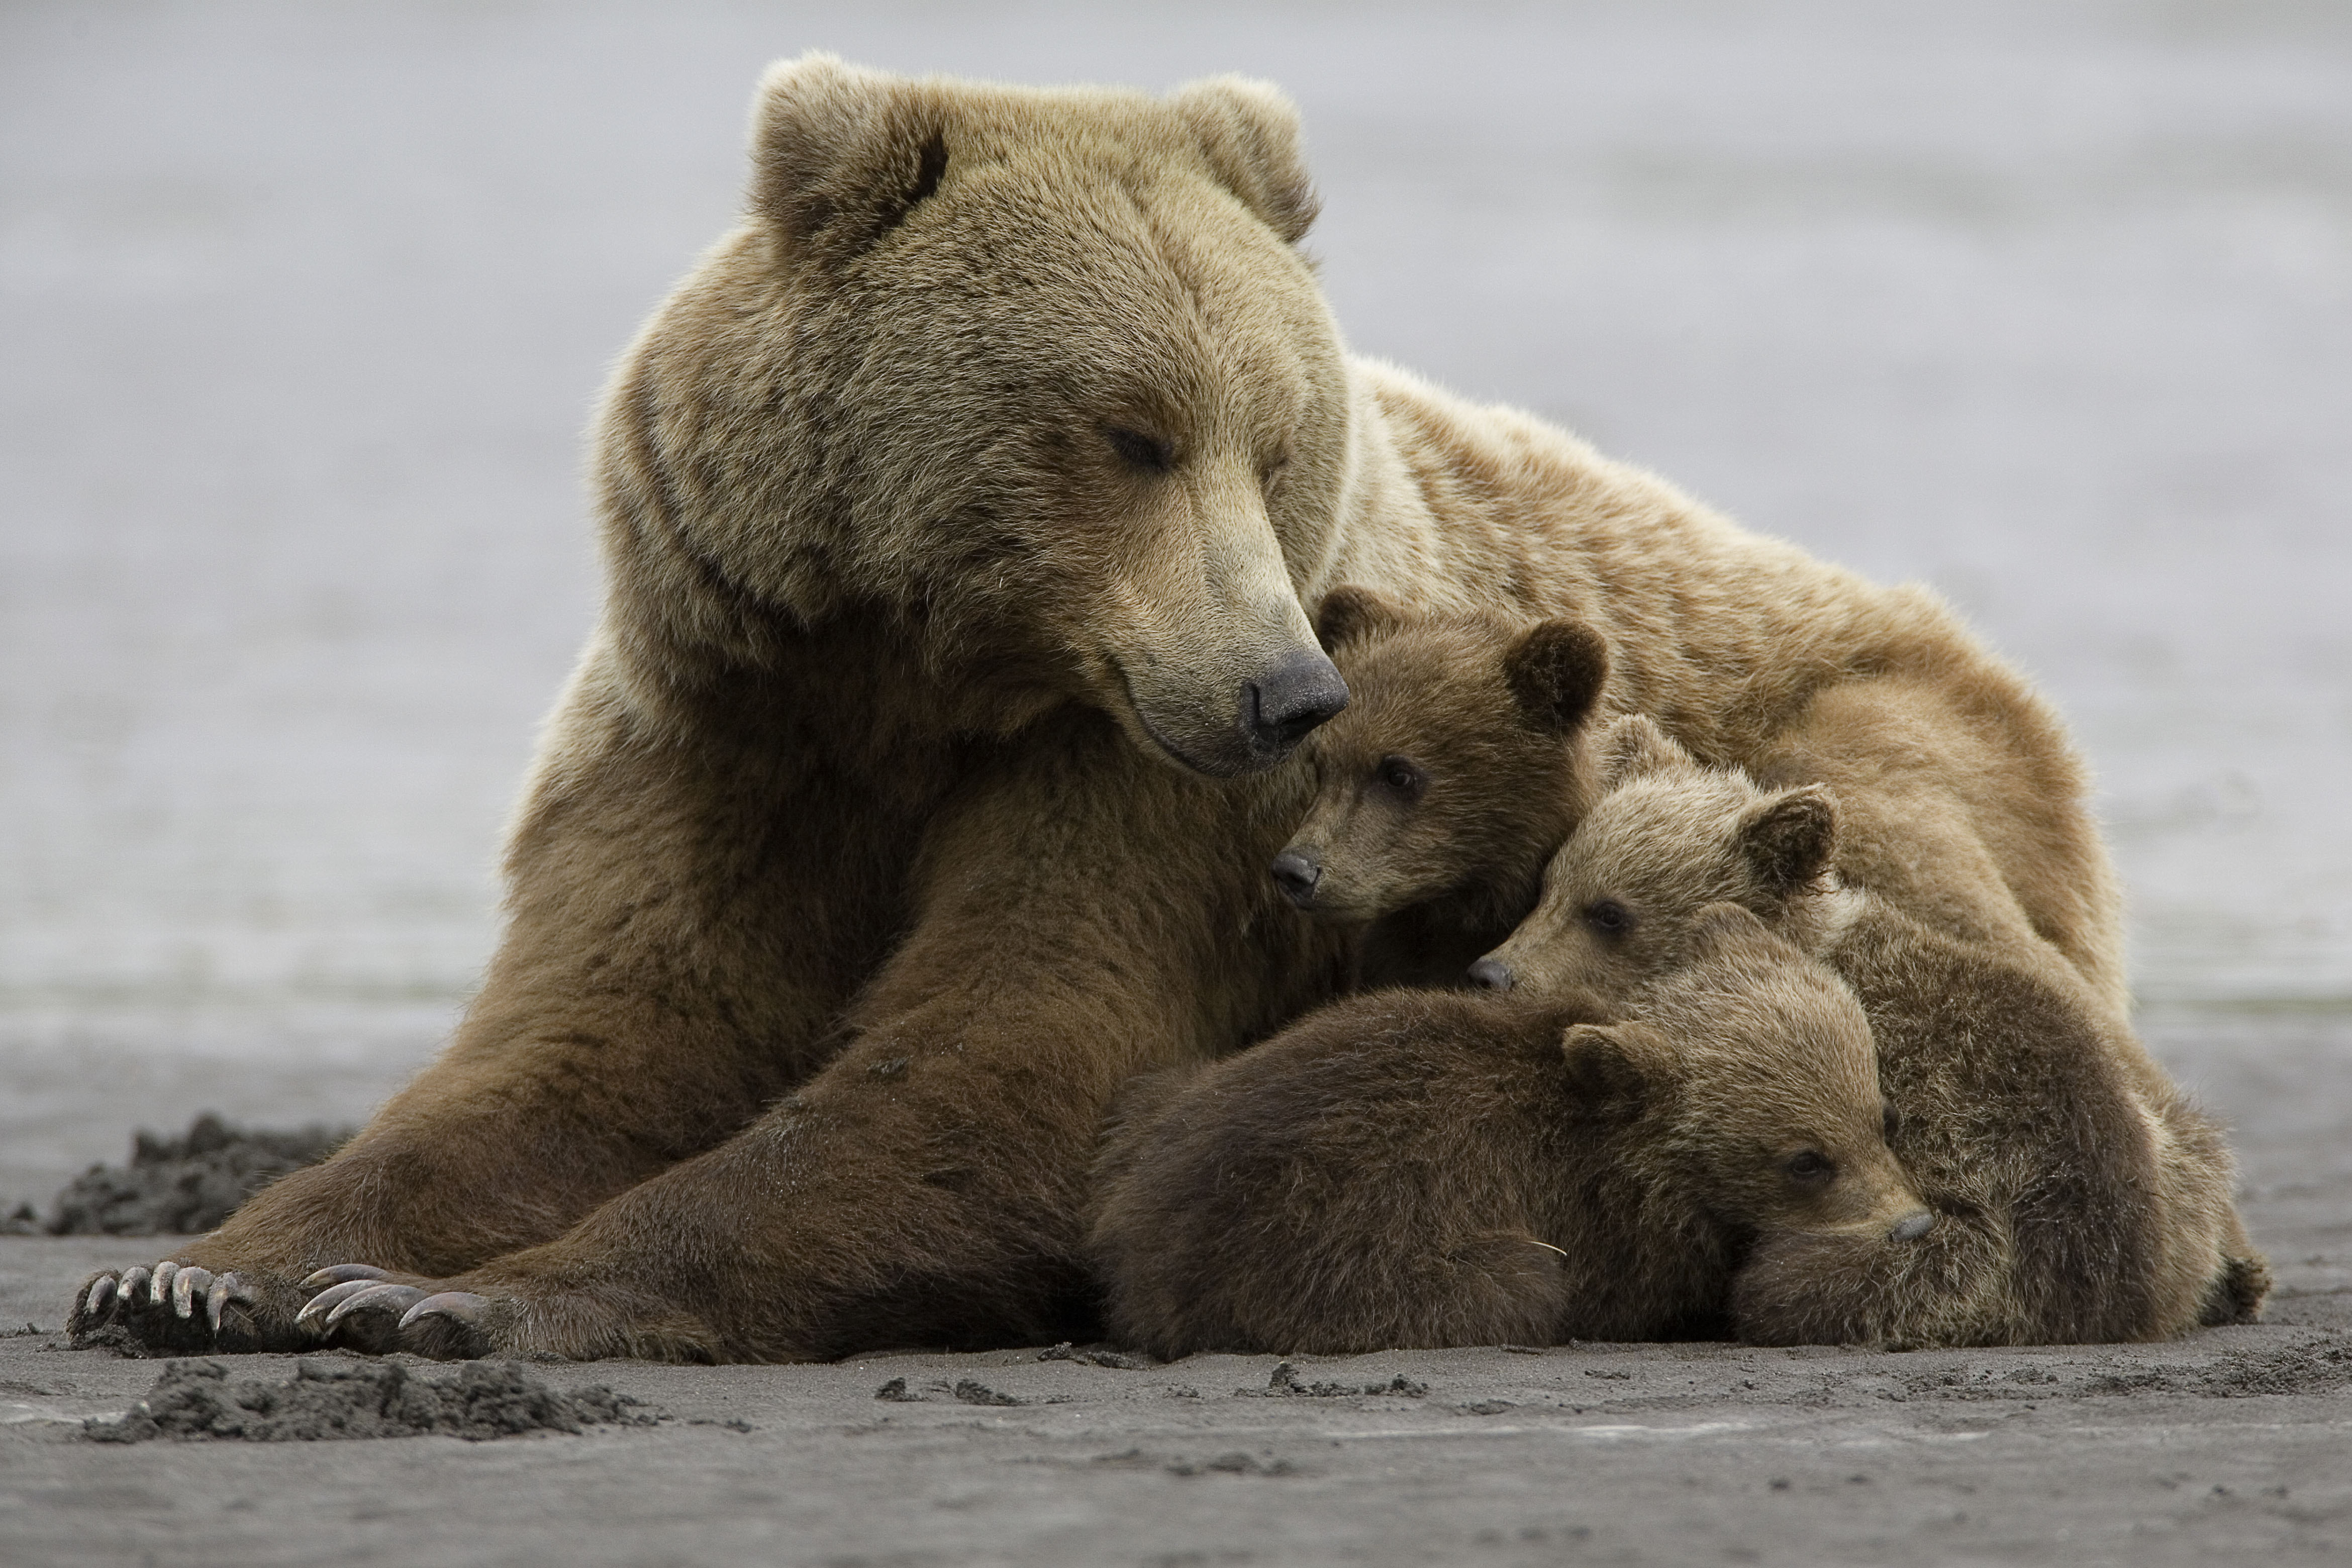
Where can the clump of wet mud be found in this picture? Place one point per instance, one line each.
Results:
(1285, 1383)
(196, 1400)
(185, 1185)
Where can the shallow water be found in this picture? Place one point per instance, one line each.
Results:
(303, 310)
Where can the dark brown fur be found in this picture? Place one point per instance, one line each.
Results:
(2077, 1199)
(1425, 1169)
(1459, 765)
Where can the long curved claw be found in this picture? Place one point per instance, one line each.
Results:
(313, 1315)
(101, 1296)
(225, 1287)
(188, 1287)
(134, 1279)
(462, 1305)
(341, 1274)
(159, 1285)
(390, 1297)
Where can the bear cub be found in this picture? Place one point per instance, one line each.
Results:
(1423, 1169)
(1459, 764)
(2076, 1201)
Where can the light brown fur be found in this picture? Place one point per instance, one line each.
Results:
(2080, 1196)
(899, 809)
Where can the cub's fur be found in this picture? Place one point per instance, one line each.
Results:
(1457, 768)
(1423, 1168)
(2079, 1197)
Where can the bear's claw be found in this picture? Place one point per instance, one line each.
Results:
(462, 1305)
(189, 1286)
(313, 1315)
(341, 1274)
(374, 1298)
(225, 1287)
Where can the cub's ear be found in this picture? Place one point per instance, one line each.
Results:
(1556, 671)
(1634, 746)
(1249, 132)
(1613, 1066)
(1789, 840)
(840, 156)
(1347, 613)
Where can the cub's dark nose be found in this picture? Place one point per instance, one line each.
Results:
(1911, 1227)
(1491, 973)
(1285, 702)
(1298, 870)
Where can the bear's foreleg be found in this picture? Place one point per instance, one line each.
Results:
(1082, 916)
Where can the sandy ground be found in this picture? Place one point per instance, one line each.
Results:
(2231, 1442)
(2234, 1442)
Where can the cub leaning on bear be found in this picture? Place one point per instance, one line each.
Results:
(1461, 762)
(2080, 1196)
(1424, 1169)
(916, 787)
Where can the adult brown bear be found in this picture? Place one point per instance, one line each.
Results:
(919, 783)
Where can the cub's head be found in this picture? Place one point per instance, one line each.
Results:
(1458, 765)
(1754, 1070)
(1036, 379)
(1668, 838)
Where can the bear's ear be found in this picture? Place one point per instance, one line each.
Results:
(840, 156)
(1611, 1066)
(1347, 613)
(1556, 671)
(1634, 746)
(1789, 840)
(1250, 133)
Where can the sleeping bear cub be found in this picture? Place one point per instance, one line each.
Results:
(1427, 1169)
(2079, 1197)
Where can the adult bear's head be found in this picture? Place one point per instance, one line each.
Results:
(1037, 379)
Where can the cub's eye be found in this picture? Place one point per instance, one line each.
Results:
(1609, 917)
(1270, 472)
(1812, 1167)
(1400, 774)
(1150, 453)
(1890, 1120)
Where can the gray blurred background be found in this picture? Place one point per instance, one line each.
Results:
(302, 309)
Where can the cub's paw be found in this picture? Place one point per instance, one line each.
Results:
(172, 1307)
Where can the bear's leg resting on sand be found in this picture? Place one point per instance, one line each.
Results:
(925, 1187)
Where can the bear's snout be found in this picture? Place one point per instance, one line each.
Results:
(1301, 690)
(1298, 870)
(1911, 1227)
(1492, 974)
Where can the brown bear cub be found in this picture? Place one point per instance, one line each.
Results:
(2079, 1197)
(1459, 765)
(1427, 1169)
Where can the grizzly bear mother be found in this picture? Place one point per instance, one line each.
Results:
(918, 783)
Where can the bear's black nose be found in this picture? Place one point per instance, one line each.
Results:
(1491, 973)
(1911, 1227)
(1298, 870)
(1283, 704)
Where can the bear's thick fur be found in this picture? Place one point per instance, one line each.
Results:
(2081, 1197)
(1424, 1169)
(1459, 765)
(919, 783)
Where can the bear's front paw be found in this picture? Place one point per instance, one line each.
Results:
(363, 1308)
(176, 1307)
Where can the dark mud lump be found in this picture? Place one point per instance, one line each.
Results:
(326, 1400)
